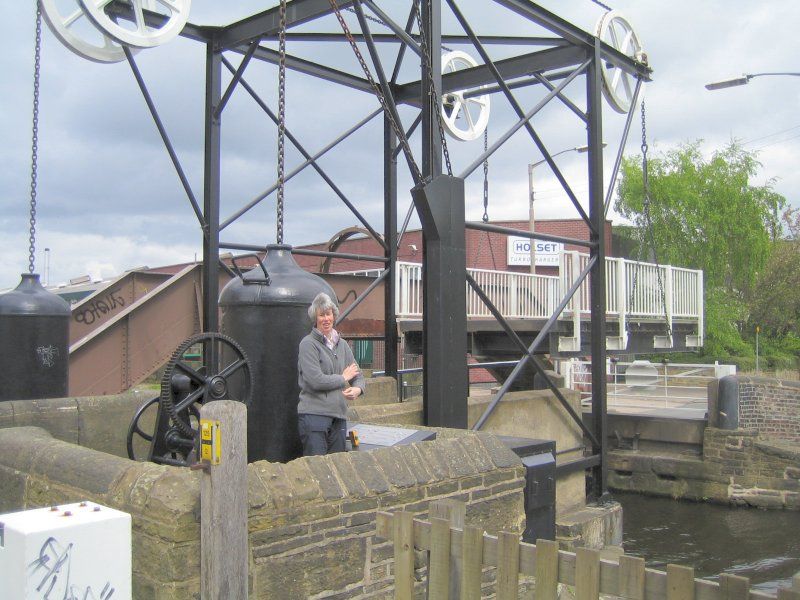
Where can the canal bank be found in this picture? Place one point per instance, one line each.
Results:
(759, 544)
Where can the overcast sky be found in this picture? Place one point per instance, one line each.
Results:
(109, 199)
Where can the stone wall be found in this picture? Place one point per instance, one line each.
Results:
(736, 467)
(311, 521)
(771, 407)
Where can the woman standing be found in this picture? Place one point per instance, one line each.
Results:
(328, 377)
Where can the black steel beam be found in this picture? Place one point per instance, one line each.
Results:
(211, 189)
(530, 356)
(311, 68)
(431, 75)
(384, 38)
(621, 148)
(509, 68)
(440, 205)
(580, 464)
(527, 234)
(597, 278)
(390, 236)
(267, 23)
(165, 138)
(576, 35)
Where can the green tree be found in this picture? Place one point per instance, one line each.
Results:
(706, 214)
(776, 305)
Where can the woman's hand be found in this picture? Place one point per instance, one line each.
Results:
(350, 371)
(352, 393)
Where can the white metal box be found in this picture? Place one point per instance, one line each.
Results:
(80, 550)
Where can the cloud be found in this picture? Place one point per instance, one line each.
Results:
(110, 198)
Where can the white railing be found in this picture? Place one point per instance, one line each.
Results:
(642, 384)
(640, 288)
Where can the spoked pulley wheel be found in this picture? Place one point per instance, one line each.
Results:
(618, 85)
(146, 24)
(70, 24)
(465, 116)
(206, 367)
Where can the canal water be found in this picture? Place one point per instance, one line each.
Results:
(759, 544)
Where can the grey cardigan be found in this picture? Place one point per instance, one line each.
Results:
(319, 373)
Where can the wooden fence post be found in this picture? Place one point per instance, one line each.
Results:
(403, 555)
(456, 514)
(224, 552)
(680, 582)
(631, 577)
(587, 574)
(546, 570)
(793, 593)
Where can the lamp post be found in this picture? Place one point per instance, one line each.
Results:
(531, 167)
(743, 80)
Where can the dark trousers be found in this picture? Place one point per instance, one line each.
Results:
(320, 434)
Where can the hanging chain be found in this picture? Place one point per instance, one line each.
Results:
(647, 230)
(281, 118)
(432, 93)
(401, 136)
(606, 6)
(35, 138)
(486, 176)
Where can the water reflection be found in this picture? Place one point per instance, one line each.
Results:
(759, 544)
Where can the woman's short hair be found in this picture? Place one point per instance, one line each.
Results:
(322, 303)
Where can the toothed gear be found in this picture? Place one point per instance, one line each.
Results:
(204, 387)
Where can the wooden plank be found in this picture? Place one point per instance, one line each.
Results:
(439, 560)
(224, 555)
(733, 587)
(546, 570)
(631, 577)
(788, 594)
(680, 582)
(403, 556)
(456, 512)
(471, 563)
(587, 574)
(507, 566)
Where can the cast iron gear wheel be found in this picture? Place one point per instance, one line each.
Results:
(223, 360)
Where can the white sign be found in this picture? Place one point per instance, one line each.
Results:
(519, 251)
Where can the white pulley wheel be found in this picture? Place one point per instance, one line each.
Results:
(618, 85)
(464, 118)
(138, 33)
(69, 23)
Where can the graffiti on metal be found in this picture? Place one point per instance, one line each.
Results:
(98, 307)
(47, 355)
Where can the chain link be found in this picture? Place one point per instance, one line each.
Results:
(606, 6)
(486, 176)
(35, 139)
(432, 93)
(401, 136)
(281, 119)
(646, 230)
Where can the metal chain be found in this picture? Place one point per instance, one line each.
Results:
(606, 6)
(434, 95)
(401, 136)
(648, 220)
(379, 22)
(35, 139)
(281, 118)
(486, 176)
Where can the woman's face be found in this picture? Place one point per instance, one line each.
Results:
(325, 322)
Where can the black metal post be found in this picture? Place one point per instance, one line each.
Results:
(211, 186)
(431, 143)
(440, 205)
(390, 237)
(597, 276)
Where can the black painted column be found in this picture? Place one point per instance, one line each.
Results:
(597, 276)
(390, 237)
(440, 205)
(211, 186)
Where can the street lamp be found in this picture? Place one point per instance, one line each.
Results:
(743, 80)
(531, 167)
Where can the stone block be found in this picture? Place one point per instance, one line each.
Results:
(436, 464)
(380, 390)
(275, 481)
(411, 457)
(393, 467)
(348, 475)
(477, 453)
(305, 574)
(13, 484)
(326, 478)
(304, 487)
(104, 420)
(370, 472)
(498, 452)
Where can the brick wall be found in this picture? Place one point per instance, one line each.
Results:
(311, 522)
(771, 407)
